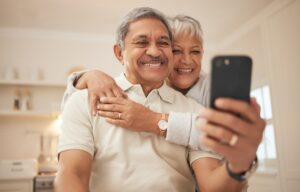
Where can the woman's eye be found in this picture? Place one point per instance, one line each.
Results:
(176, 51)
(196, 52)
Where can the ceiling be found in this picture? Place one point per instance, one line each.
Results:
(218, 17)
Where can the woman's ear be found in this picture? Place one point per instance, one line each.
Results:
(118, 52)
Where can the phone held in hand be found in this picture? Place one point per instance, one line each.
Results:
(230, 78)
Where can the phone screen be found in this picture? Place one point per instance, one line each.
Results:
(230, 77)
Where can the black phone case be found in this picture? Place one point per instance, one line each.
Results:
(230, 77)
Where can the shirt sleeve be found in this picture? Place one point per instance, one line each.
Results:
(76, 128)
(70, 86)
(181, 126)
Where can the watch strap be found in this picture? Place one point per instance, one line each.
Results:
(243, 175)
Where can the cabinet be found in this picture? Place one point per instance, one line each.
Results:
(18, 185)
(45, 98)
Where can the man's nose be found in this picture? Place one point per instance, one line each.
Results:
(153, 50)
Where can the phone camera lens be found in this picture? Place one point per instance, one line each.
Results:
(226, 61)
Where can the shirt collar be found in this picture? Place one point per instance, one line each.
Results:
(165, 92)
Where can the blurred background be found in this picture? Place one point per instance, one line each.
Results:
(41, 42)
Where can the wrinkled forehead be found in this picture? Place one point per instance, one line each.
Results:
(147, 28)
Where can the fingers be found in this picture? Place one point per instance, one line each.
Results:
(240, 107)
(216, 146)
(217, 133)
(110, 115)
(113, 100)
(227, 120)
(117, 122)
(110, 108)
(93, 103)
(118, 92)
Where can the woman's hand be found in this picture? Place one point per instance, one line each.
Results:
(128, 114)
(99, 84)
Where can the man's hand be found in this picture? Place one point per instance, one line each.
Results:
(235, 137)
(128, 114)
(99, 84)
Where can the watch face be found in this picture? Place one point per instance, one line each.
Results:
(163, 124)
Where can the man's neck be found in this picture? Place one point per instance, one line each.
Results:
(148, 88)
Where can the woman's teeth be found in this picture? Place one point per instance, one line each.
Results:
(184, 70)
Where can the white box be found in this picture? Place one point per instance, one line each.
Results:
(18, 169)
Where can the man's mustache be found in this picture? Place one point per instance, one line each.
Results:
(149, 59)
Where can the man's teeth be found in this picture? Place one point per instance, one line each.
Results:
(152, 64)
(184, 70)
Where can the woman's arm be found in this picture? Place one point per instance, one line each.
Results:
(101, 85)
(98, 83)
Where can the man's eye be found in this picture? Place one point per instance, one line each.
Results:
(164, 43)
(141, 43)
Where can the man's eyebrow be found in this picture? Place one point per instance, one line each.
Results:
(140, 37)
(164, 38)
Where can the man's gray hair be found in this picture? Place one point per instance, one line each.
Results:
(136, 14)
(185, 25)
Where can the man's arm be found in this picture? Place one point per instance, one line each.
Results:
(240, 153)
(76, 145)
(211, 176)
(74, 168)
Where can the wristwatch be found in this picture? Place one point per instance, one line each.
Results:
(163, 125)
(243, 175)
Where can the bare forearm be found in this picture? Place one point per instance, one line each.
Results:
(220, 181)
(69, 182)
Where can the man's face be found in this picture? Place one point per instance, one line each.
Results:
(147, 55)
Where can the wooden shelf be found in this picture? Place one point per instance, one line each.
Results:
(28, 114)
(32, 83)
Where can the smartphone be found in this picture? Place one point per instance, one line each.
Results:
(230, 77)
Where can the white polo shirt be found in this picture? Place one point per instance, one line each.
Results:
(126, 160)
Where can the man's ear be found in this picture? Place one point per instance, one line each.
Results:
(118, 52)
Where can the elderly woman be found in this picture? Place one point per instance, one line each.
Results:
(186, 77)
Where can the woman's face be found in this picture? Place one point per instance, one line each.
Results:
(187, 53)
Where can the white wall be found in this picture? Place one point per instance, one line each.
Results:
(272, 40)
(56, 52)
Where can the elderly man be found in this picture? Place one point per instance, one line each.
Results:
(95, 155)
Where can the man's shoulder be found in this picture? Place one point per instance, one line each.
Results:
(182, 99)
(78, 97)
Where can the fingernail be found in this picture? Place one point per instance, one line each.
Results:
(219, 102)
(102, 99)
(94, 113)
